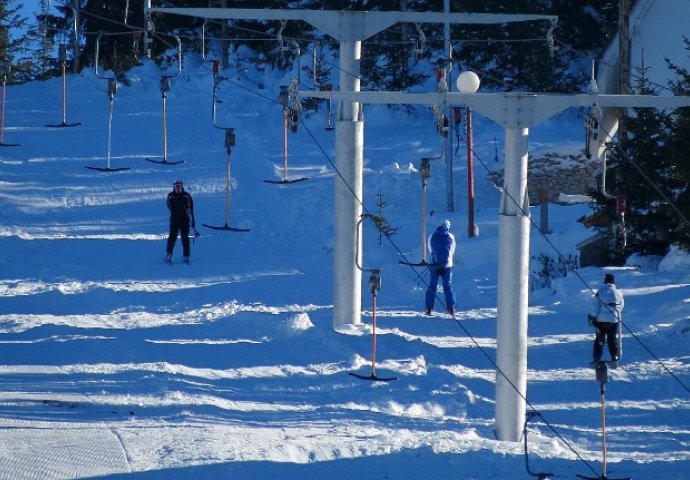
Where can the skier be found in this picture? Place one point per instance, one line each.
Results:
(606, 318)
(181, 208)
(442, 248)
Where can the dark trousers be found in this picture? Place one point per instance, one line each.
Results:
(183, 230)
(606, 333)
(446, 275)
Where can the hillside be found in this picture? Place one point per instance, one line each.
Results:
(116, 365)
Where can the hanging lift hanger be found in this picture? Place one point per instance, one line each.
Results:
(229, 143)
(292, 108)
(62, 56)
(111, 91)
(424, 173)
(4, 73)
(375, 287)
(165, 88)
(324, 87)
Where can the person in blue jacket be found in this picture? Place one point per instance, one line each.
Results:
(605, 317)
(442, 247)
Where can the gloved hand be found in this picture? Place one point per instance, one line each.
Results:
(591, 318)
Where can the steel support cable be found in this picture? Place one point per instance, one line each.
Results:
(687, 223)
(581, 278)
(399, 251)
(422, 279)
(462, 327)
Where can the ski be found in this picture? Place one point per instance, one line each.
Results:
(611, 363)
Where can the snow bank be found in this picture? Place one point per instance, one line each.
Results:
(675, 261)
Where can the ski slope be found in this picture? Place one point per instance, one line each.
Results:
(116, 365)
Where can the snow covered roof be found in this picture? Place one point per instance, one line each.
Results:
(657, 29)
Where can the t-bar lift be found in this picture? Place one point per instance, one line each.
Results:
(111, 91)
(229, 143)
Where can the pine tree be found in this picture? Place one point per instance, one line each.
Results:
(43, 35)
(12, 38)
(640, 170)
(678, 147)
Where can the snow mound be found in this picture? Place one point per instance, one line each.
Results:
(646, 263)
(298, 323)
(675, 261)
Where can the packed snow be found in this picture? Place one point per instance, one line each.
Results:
(114, 364)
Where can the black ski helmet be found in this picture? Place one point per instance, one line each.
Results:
(178, 187)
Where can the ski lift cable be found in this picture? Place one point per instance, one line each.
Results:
(420, 276)
(581, 278)
(158, 34)
(475, 342)
(457, 321)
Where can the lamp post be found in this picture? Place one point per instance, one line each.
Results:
(468, 82)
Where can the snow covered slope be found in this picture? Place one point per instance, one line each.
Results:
(115, 365)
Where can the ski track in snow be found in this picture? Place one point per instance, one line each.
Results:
(17, 323)
(175, 372)
(19, 287)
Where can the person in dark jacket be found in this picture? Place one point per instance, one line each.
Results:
(606, 317)
(442, 248)
(181, 208)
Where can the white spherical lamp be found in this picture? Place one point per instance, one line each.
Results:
(468, 82)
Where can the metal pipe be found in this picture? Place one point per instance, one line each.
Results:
(513, 290)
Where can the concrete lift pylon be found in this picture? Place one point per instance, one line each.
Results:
(515, 112)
